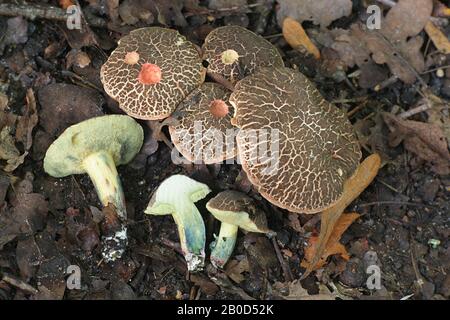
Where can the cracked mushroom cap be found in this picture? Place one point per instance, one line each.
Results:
(235, 52)
(311, 146)
(151, 71)
(204, 132)
(238, 209)
(119, 135)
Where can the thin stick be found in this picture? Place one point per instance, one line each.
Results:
(19, 284)
(34, 11)
(287, 272)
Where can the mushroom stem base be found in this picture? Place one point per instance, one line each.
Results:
(101, 169)
(191, 230)
(224, 245)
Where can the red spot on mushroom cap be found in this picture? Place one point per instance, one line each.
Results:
(150, 74)
(218, 108)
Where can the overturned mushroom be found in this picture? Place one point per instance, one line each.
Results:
(235, 210)
(96, 146)
(151, 71)
(235, 52)
(176, 196)
(296, 148)
(204, 132)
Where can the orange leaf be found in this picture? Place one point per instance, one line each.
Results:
(297, 38)
(438, 37)
(333, 245)
(353, 187)
(66, 3)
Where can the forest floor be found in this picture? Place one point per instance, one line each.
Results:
(49, 80)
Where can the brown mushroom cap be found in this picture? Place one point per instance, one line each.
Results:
(238, 209)
(151, 71)
(235, 52)
(318, 149)
(205, 122)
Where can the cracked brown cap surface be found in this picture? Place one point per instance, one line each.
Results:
(151, 71)
(204, 133)
(317, 148)
(235, 52)
(238, 209)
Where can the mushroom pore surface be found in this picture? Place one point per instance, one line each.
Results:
(235, 52)
(317, 148)
(152, 96)
(119, 135)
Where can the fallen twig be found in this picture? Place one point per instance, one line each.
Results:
(34, 11)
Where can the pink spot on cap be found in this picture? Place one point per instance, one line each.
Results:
(218, 108)
(150, 74)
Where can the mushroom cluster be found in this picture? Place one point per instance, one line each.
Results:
(296, 148)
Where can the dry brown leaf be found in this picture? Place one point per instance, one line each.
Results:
(297, 38)
(23, 127)
(333, 245)
(66, 3)
(439, 39)
(295, 291)
(396, 44)
(353, 187)
(321, 12)
(235, 269)
(426, 140)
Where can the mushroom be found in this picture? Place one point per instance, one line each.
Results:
(311, 147)
(235, 52)
(235, 210)
(151, 71)
(204, 133)
(176, 196)
(96, 146)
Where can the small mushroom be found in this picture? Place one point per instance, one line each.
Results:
(235, 52)
(204, 133)
(176, 196)
(235, 210)
(96, 146)
(151, 71)
(312, 149)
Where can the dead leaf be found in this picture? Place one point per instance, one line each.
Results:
(236, 268)
(294, 291)
(23, 127)
(426, 140)
(297, 38)
(397, 44)
(63, 105)
(66, 3)
(321, 12)
(333, 245)
(439, 39)
(353, 187)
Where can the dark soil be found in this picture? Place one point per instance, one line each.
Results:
(403, 212)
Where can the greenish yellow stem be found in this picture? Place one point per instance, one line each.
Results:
(102, 170)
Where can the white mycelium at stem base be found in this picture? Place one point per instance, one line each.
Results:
(176, 196)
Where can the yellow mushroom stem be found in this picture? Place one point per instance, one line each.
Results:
(223, 247)
(102, 170)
